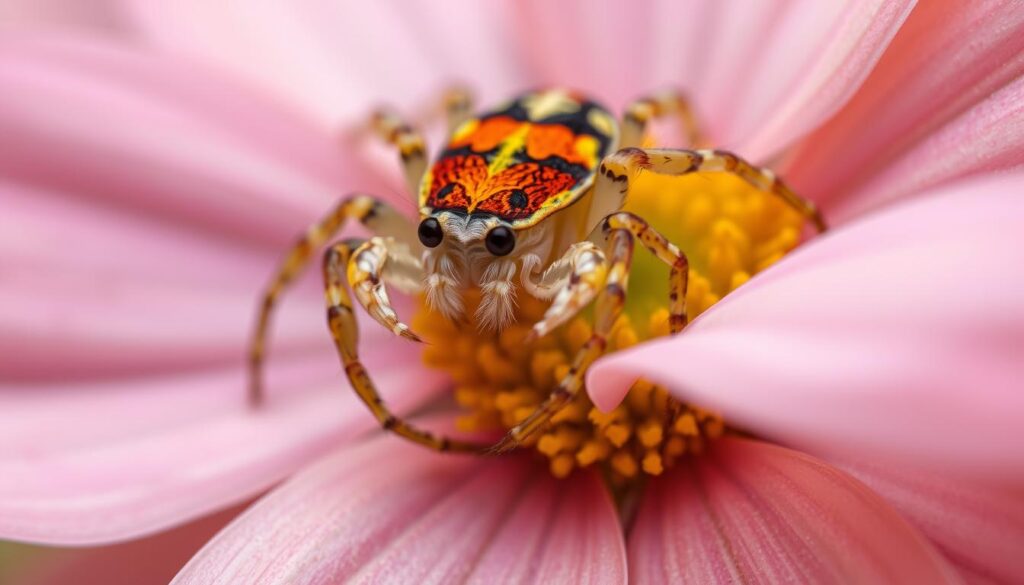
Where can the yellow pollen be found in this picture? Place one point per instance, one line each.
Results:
(728, 230)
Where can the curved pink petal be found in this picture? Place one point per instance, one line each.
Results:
(947, 59)
(986, 138)
(882, 338)
(387, 510)
(761, 75)
(101, 122)
(813, 60)
(109, 461)
(603, 49)
(88, 290)
(155, 559)
(336, 59)
(753, 512)
(94, 16)
(787, 65)
(978, 526)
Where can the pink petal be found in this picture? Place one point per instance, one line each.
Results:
(389, 511)
(977, 525)
(604, 50)
(753, 512)
(792, 63)
(761, 75)
(335, 60)
(947, 59)
(94, 16)
(101, 291)
(104, 462)
(159, 136)
(119, 188)
(135, 294)
(154, 559)
(814, 58)
(987, 137)
(883, 338)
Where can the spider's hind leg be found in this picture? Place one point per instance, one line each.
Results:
(667, 103)
(394, 130)
(458, 107)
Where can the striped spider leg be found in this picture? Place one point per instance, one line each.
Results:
(620, 229)
(362, 264)
(389, 127)
(657, 105)
(366, 266)
(364, 209)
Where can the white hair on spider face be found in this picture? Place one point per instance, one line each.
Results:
(481, 250)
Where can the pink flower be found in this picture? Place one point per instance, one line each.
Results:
(156, 161)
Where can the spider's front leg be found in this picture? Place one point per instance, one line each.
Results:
(366, 276)
(610, 301)
(573, 280)
(617, 171)
(362, 264)
(365, 209)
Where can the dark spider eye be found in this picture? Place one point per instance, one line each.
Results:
(500, 241)
(430, 233)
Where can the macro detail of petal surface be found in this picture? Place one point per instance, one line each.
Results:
(385, 512)
(752, 512)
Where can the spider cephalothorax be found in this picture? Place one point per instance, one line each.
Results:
(525, 199)
(491, 190)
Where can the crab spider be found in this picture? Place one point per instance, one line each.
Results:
(525, 199)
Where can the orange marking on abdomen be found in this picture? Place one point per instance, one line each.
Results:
(488, 135)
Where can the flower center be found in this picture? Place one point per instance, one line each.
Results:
(729, 232)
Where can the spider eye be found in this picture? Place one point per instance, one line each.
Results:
(430, 233)
(500, 241)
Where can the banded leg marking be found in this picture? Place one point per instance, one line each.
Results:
(610, 302)
(363, 208)
(617, 170)
(642, 111)
(366, 276)
(587, 273)
(410, 144)
(458, 107)
(338, 263)
(664, 250)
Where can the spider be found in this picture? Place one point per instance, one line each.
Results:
(527, 197)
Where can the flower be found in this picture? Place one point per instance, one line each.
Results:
(147, 194)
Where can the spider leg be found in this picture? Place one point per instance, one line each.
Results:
(458, 107)
(340, 261)
(587, 272)
(664, 250)
(618, 169)
(642, 111)
(366, 276)
(610, 302)
(410, 144)
(365, 209)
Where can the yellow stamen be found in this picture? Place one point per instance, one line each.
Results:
(728, 230)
